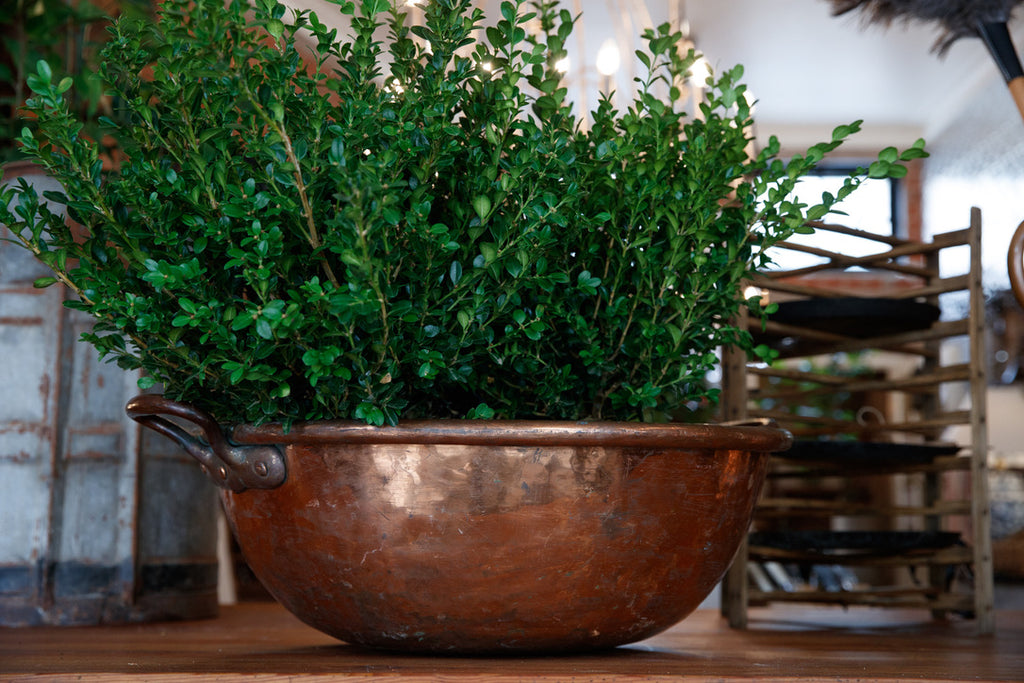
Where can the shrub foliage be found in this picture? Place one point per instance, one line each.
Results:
(410, 221)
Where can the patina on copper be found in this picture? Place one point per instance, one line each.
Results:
(483, 537)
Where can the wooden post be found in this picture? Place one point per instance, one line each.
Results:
(984, 588)
(734, 407)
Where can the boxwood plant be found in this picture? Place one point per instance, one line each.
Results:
(408, 222)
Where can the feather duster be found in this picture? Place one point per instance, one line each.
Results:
(985, 19)
(957, 18)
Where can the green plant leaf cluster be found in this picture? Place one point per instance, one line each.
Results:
(417, 225)
(65, 34)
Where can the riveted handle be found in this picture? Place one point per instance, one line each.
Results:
(230, 466)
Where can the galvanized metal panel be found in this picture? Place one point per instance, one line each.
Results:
(178, 496)
(29, 341)
(70, 485)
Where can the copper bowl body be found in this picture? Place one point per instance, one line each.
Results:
(469, 537)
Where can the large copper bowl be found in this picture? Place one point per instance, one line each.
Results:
(472, 537)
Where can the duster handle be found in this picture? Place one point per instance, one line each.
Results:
(996, 37)
(1017, 90)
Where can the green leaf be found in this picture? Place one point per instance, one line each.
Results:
(263, 329)
(370, 413)
(840, 133)
(241, 322)
(44, 72)
(817, 212)
(337, 153)
(508, 12)
(879, 169)
(273, 310)
(275, 27)
(588, 282)
(489, 252)
(534, 331)
(44, 282)
(482, 207)
(481, 412)
(889, 155)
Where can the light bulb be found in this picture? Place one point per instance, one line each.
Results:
(700, 71)
(751, 291)
(608, 58)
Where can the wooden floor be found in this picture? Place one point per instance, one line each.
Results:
(262, 642)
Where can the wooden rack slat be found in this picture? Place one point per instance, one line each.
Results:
(837, 260)
(923, 599)
(907, 342)
(958, 283)
(891, 240)
(784, 372)
(941, 420)
(949, 373)
(910, 291)
(880, 261)
(798, 469)
(785, 507)
(945, 556)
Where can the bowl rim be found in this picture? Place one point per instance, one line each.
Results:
(761, 437)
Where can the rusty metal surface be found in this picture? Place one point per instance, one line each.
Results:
(581, 543)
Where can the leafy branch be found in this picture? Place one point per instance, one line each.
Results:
(309, 226)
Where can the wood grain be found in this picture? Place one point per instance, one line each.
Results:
(262, 642)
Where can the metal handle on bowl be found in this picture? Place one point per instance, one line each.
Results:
(1015, 263)
(232, 467)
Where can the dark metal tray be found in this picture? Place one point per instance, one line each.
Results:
(861, 453)
(843, 541)
(858, 317)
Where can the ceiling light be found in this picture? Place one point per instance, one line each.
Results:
(700, 72)
(608, 58)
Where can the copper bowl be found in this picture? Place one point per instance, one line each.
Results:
(483, 537)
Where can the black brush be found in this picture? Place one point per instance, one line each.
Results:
(985, 19)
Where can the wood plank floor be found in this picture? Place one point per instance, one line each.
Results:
(262, 642)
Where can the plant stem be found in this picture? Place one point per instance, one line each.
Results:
(312, 234)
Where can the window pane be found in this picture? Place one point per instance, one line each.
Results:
(869, 208)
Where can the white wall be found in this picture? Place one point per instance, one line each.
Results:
(978, 160)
